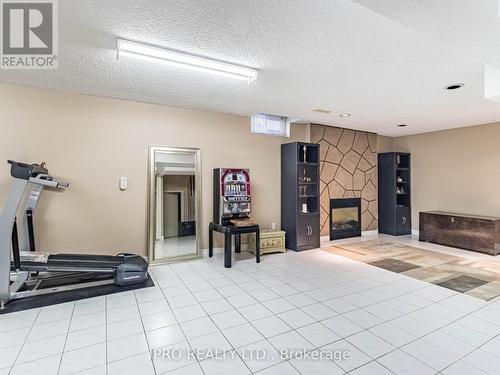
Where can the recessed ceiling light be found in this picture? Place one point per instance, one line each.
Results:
(345, 115)
(184, 60)
(321, 110)
(454, 86)
(402, 125)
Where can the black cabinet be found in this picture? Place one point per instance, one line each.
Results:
(308, 231)
(394, 193)
(403, 221)
(302, 231)
(300, 195)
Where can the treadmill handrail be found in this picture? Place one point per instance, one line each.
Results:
(47, 180)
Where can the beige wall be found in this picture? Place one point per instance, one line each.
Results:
(385, 144)
(455, 170)
(92, 141)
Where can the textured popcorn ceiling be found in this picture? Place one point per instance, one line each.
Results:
(469, 26)
(386, 61)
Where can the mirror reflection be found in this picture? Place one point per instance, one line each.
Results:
(176, 186)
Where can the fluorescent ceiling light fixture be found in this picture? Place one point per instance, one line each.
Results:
(184, 60)
(345, 115)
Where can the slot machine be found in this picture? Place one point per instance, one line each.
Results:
(231, 195)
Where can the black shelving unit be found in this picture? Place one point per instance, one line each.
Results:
(394, 193)
(300, 195)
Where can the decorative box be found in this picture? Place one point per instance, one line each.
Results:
(271, 241)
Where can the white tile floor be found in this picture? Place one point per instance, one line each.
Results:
(313, 301)
(175, 246)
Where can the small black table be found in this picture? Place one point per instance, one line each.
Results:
(228, 231)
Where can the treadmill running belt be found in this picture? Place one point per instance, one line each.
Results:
(68, 296)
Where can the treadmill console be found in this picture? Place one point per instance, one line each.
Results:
(25, 171)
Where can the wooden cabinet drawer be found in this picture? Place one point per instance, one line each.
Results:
(269, 243)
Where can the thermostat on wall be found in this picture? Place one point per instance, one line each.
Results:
(123, 183)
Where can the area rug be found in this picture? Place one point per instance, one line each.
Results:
(477, 278)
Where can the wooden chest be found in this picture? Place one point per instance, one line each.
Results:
(470, 232)
(271, 241)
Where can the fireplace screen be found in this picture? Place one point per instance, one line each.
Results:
(345, 218)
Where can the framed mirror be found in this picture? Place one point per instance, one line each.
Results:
(174, 204)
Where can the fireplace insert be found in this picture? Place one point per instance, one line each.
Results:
(345, 218)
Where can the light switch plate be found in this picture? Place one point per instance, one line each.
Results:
(123, 183)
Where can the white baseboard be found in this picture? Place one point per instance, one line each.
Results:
(415, 233)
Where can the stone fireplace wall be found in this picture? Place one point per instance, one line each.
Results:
(348, 170)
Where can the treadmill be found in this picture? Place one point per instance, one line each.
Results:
(30, 273)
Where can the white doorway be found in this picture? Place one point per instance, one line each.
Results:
(172, 213)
